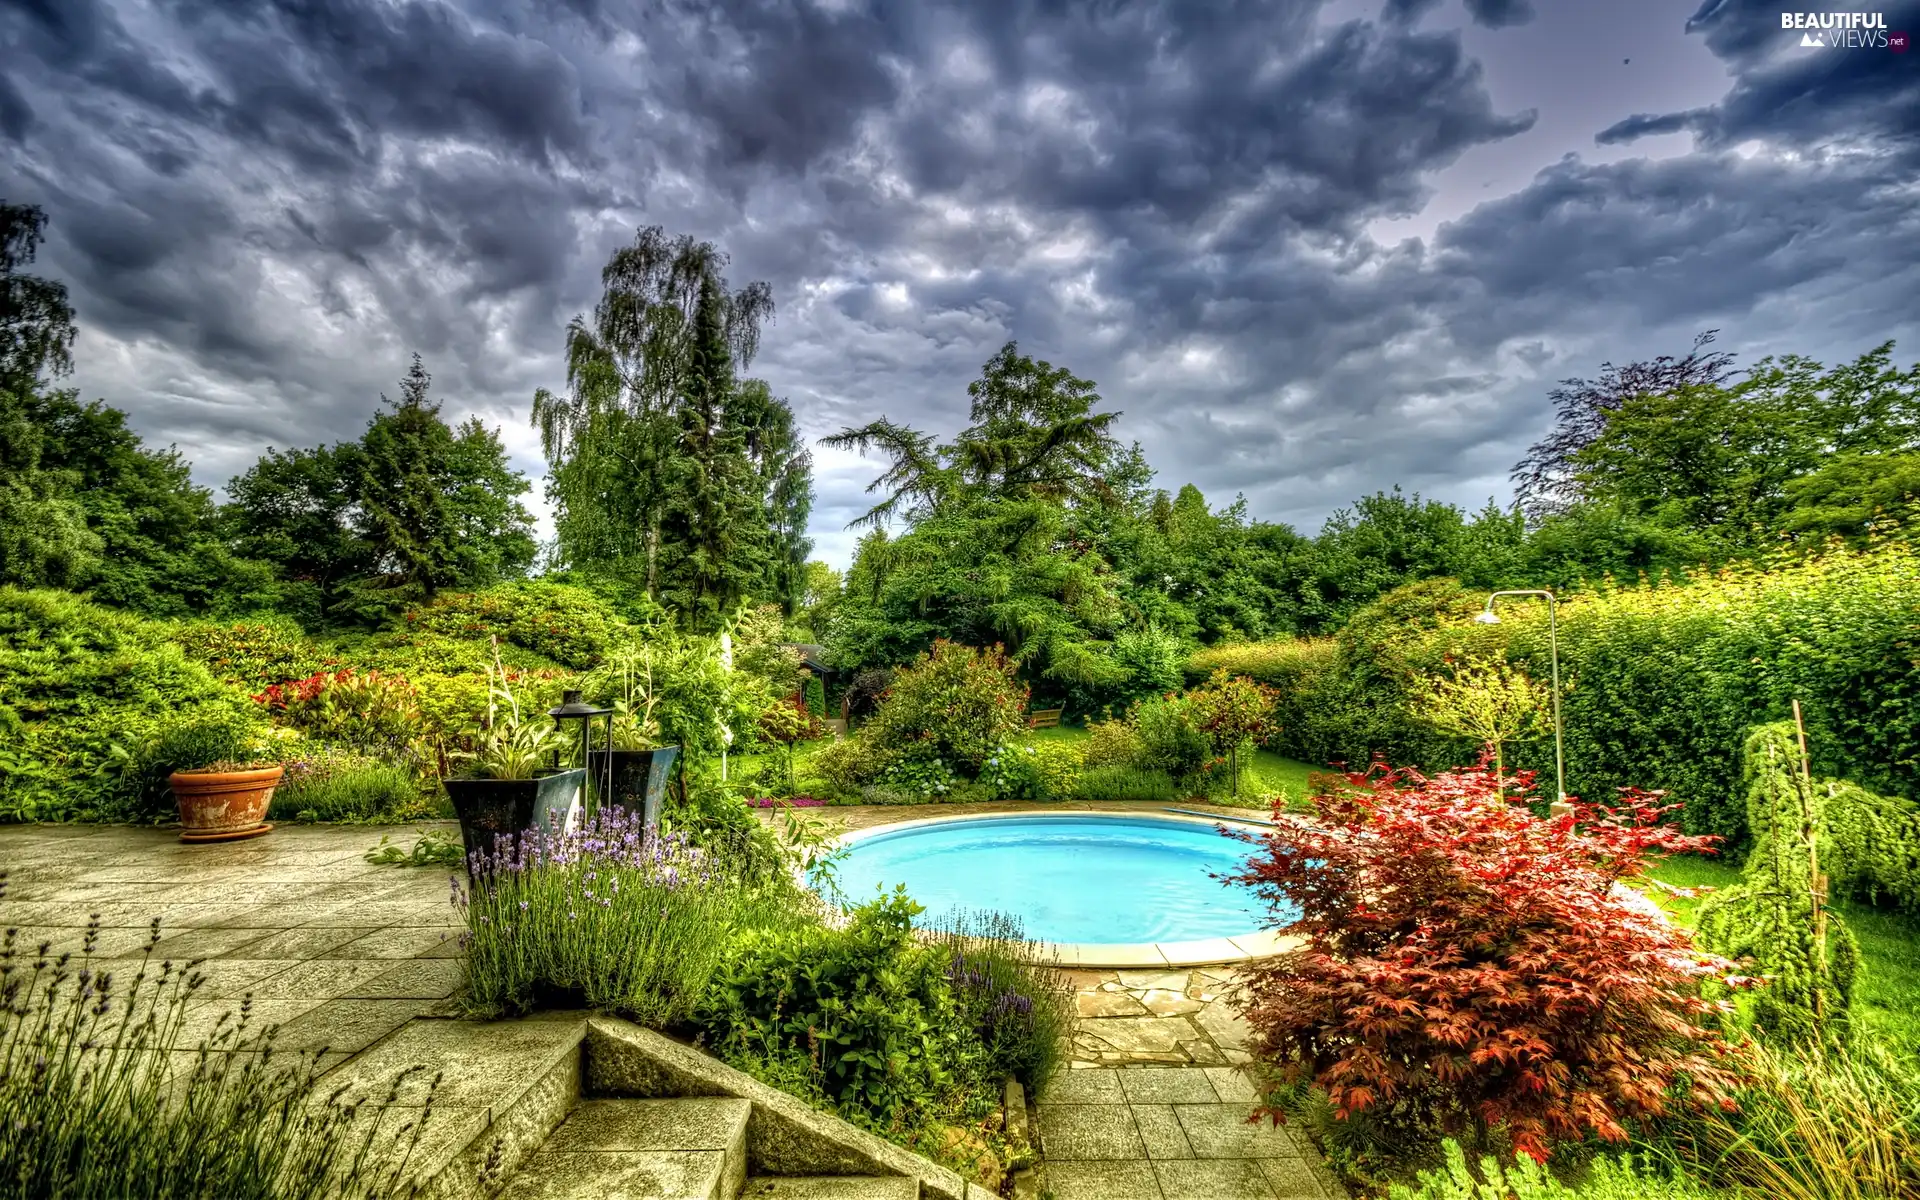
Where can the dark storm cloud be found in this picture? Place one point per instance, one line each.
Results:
(1496, 14)
(263, 208)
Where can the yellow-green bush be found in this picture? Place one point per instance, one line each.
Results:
(1661, 680)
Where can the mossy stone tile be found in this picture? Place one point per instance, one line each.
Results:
(349, 1025)
(631, 1125)
(1223, 1131)
(1100, 1085)
(1292, 1179)
(1089, 1131)
(1232, 1085)
(1234, 1179)
(660, 1175)
(1173, 1085)
(1103, 1181)
(1160, 1131)
(416, 978)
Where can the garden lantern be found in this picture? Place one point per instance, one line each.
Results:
(1560, 806)
(573, 708)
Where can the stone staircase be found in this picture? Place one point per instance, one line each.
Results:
(572, 1107)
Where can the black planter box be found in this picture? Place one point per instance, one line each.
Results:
(489, 807)
(638, 778)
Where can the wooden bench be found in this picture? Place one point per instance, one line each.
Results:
(1044, 718)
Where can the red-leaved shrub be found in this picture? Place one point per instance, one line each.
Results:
(1468, 966)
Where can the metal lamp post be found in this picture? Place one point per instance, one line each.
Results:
(572, 708)
(1560, 805)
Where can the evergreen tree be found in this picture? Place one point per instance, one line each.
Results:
(715, 529)
(411, 508)
(1777, 915)
(784, 468)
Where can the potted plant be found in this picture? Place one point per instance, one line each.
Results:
(223, 796)
(635, 764)
(508, 789)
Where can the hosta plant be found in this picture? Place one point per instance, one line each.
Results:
(1470, 970)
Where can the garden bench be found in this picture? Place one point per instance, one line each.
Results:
(1044, 718)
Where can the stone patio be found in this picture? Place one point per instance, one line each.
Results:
(341, 954)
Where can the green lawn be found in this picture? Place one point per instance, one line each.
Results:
(1889, 996)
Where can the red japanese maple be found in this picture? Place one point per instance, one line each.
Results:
(1469, 966)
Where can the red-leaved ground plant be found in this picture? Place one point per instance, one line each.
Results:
(1468, 969)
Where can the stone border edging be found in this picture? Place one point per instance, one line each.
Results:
(1199, 952)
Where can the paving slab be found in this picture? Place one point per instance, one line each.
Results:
(1089, 1131)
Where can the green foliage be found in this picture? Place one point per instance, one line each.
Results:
(251, 654)
(916, 778)
(561, 623)
(956, 704)
(666, 469)
(78, 680)
(370, 712)
(431, 849)
(1110, 744)
(866, 1006)
(851, 763)
(611, 916)
(1488, 701)
(1010, 994)
(1170, 737)
(1662, 679)
(1038, 770)
(1608, 1178)
(815, 695)
(1872, 850)
(1122, 782)
(1809, 958)
(96, 1102)
(364, 529)
(336, 786)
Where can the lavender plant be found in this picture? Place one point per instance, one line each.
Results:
(94, 1102)
(613, 915)
(1010, 993)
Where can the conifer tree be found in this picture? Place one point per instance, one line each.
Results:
(1777, 915)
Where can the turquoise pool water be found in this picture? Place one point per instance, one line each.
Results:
(1069, 878)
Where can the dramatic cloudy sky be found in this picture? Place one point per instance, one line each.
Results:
(1311, 249)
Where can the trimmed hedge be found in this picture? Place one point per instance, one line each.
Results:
(1661, 680)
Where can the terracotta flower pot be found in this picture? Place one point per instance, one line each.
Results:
(224, 806)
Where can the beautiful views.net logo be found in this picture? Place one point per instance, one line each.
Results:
(1844, 30)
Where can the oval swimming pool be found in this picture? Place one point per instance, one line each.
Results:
(1079, 877)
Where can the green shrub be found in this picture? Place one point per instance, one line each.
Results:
(850, 763)
(918, 775)
(230, 734)
(866, 1007)
(1041, 770)
(1170, 737)
(340, 786)
(1125, 783)
(94, 1102)
(76, 681)
(564, 623)
(1770, 916)
(611, 916)
(1110, 744)
(366, 711)
(1608, 1178)
(1011, 996)
(956, 704)
(815, 694)
(251, 654)
(1873, 847)
(1661, 680)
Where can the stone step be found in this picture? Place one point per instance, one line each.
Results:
(683, 1149)
(831, 1187)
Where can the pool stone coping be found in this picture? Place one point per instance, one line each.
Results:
(1198, 952)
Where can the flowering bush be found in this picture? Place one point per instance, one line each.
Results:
(612, 915)
(1010, 994)
(957, 704)
(250, 653)
(1468, 968)
(924, 778)
(1045, 770)
(367, 712)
